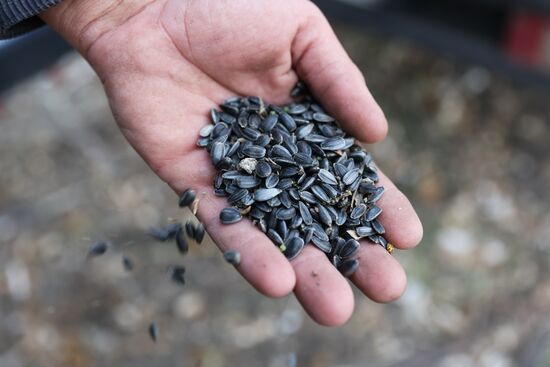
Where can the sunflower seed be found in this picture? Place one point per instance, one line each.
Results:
(288, 121)
(199, 233)
(177, 274)
(348, 267)
(358, 211)
(187, 198)
(181, 241)
(248, 182)
(377, 226)
(294, 247)
(321, 117)
(217, 152)
(285, 214)
(263, 169)
(321, 244)
(320, 193)
(335, 143)
(373, 213)
(153, 330)
(304, 131)
(230, 215)
(349, 249)
(324, 215)
(206, 131)
(280, 151)
(232, 257)
(305, 213)
(269, 123)
(97, 249)
(254, 151)
(275, 237)
(327, 177)
(265, 194)
(364, 231)
(350, 176)
(127, 263)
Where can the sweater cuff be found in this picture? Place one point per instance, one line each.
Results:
(19, 16)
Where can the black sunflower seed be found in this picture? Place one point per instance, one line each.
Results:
(304, 131)
(248, 182)
(288, 121)
(327, 177)
(285, 214)
(293, 248)
(177, 274)
(321, 117)
(305, 213)
(190, 229)
(373, 213)
(254, 151)
(321, 244)
(349, 249)
(187, 198)
(364, 231)
(358, 211)
(348, 267)
(127, 263)
(272, 181)
(230, 215)
(280, 151)
(275, 237)
(263, 169)
(269, 123)
(265, 194)
(181, 241)
(153, 330)
(199, 233)
(320, 193)
(232, 257)
(377, 226)
(336, 143)
(97, 249)
(324, 215)
(350, 176)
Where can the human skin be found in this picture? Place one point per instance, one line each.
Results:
(165, 63)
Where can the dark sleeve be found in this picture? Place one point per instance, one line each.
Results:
(19, 16)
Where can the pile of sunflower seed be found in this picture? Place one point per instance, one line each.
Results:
(294, 172)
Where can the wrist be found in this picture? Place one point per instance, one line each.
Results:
(82, 22)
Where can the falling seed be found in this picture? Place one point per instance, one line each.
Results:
(181, 241)
(153, 331)
(177, 274)
(127, 263)
(199, 233)
(97, 249)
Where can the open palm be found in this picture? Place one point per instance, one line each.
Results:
(168, 64)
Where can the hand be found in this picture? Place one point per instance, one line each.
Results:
(165, 63)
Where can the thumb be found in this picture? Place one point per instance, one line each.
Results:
(323, 64)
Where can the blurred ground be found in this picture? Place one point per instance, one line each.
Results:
(469, 147)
